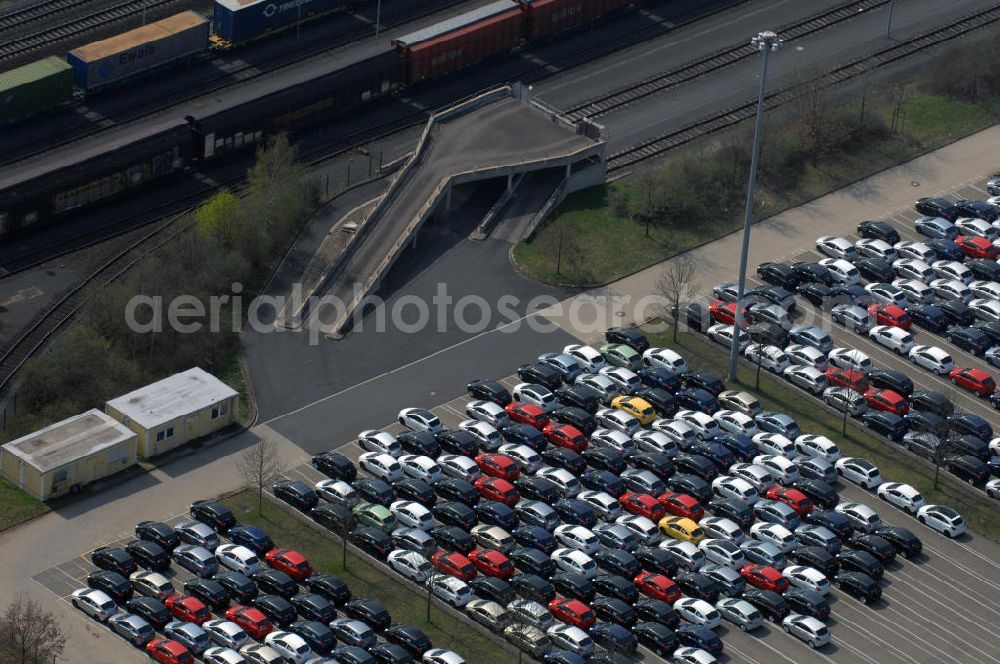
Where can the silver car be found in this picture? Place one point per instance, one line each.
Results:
(198, 533)
(806, 628)
(196, 559)
(740, 612)
(132, 628)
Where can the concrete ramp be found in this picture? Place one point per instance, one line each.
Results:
(500, 133)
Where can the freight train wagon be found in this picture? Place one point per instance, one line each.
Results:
(547, 17)
(34, 88)
(239, 21)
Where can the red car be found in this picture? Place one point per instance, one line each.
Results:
(253, 621)
(527, 413)
(498, 465)
(977, 247)
(764, 577)
(572, 612)
(289, 561)
(166, 651)
(855, 380)
(974, 380)
(188, 609)
(887, 400)
(492, 563)
(454, 564)
(566, 435)
(681, 504)
(658, 587)
(725, 312)
(643, 504)
(794, 498)
(889, 314)
(494, 488)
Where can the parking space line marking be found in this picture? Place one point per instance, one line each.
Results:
(841, 616)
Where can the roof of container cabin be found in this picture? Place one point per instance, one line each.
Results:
(69, 440)
(142, 35)
(172, 398)
(457, 23)
(236, 5)
(32, 72)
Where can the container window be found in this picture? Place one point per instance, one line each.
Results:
(163, 434)
(62, 476)
(220, 411)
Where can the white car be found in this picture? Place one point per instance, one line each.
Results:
(806, 628)
(851, 358)
(689, 655)
(735, 422)
(537, 395)
(776, 444)
(837, 247)
(567, 483)
(806, 356)
(807, 578)
(943, 519)
(977, 228)
(337, 492)
(781, 468)
(626, 380)
(808, 378)
(913, 268)
(903, 496)
(664, 358)
(226, 634)
(382, 466)
(719, 527)
(373, 440)
(655, 441)
(577, 537)
(603, 503)
(681, 433)
(442, 656)
(410, 564)
(993, 488)
(984, 309)
(220, 655)
(723, 552)
(260, 653)
(618, 420)
(734, 488)
(239, 559)
(613, 439)
(589, 358)
(895, 339)
(769, 357)
(859, 471)
(698, 612)
(916, 291)
(875, 248)
(932, 358)
(884, 293)
(704, 426)
(571, 560)
(459, 467)
(989, 290)
(421, 467)
(419, 419)
(841, 270)
(453, 591)
(952, 270)
(289, 645)
(774, 533)
(488, 435)
(487, 411)
(527, 459)
(951, 290)
(723, 334)
(643, 528)
(758, 476)
(686, 554)
(917, 250)
(95, 603)
(813, 445)
(412, 514)
(860, 515)
(152, 584)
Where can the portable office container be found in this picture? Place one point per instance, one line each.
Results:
(239, 21)
(34, 88)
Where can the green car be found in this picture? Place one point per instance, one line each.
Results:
(620, 355)
(374, 516)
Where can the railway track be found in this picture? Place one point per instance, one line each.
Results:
(19, 18)
(656, 147)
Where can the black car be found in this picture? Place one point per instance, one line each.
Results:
(816, 556)
(455, 490)
(617, 561)
(252, 538)
(494, 513)
(535, 537)
(736, 510)
(973, 425)
(617, 586)
(923, 444)
(957, 313)
(313, 606)
(890, 425)
(543, 374)
(277, 609)
(211, 593)
(575, 512)
(835, 521)
(372, 541)
(697, 399)
(937, 207)
(875, 269)
(697, 317)
(928, 317)
(417, 490)
(699, 586)
(714, 451)
(783, 297)
(560, 457)
(297, 494)
(946, 250)
(419, 442)
(768, 333)
(373, 490)
(330, 587)
(614, 638)
(458, 442)
(873, 544)
(658, 611)
(813, 272)
(159, 532)
(320, 638)
(903, 540)
(888, 379)
(662, 401)
(695, 465)
(967, 468)
(704, 380)
(114, 584)
(983, 269)
(970, 445)
(807, 603)
(778, 274)
(240, 587)
(537, 488)
(859, 585)
(148, 555)
(574, 586)
(918, 421)
(452, 538)
(612, 609)
(534, 587)
(410, 637)
(583, 397)
(492, 588)
(976, 210)
(335, 518)
(571, 415)
(151, 610)
(352, 655)
(391, 653)
(657, 560)
(699, 636)
(969, 339)
(276, 582)
(658, 638)
(631, 337)
(335, 466)
(773, 606)
(992, 330)
(532, 561)
(854, 560)
(657, 463)
(563, 657)
(741, 446)
(878, 230)
(370, 611)
(524, 434)
(817, 294)
(603, 480)
(488, 390)
(821, 493)
(605, 458)
(213, 513)
(659, 377)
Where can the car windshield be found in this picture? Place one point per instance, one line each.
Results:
(252, 560)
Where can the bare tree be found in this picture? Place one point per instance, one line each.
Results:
(675, 283)
(29, 634)
(259, 466)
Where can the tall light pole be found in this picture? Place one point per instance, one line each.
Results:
(888, 20)
(766, 42)
(378, 19)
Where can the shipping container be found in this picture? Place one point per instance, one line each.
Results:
(461, 41)
(238, 21)
(547, 17)
(139, 51)
(34, 88)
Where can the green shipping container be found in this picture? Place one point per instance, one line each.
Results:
(34, 88)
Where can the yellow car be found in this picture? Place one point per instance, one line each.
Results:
(682, 528)
(638, 408)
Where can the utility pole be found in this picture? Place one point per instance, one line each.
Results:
(888, 20)
(765, 42)
(378, 20)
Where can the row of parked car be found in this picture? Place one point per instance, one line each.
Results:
(247, 601)
(590, 506)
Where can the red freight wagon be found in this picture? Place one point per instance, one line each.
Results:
(546, 17)
(461, 41)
